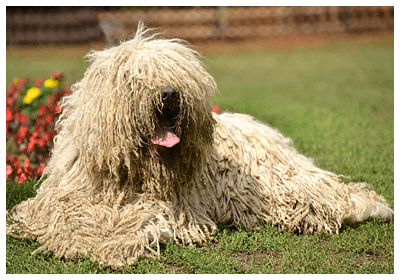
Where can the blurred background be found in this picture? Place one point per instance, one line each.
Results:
(69, 32)
(33, 25)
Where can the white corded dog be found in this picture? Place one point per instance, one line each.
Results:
(140, 159)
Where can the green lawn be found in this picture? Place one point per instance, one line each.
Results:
(336, 103)
(41, 61)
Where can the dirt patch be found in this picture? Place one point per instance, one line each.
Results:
(175, 269)
(370, 257)
(247, 260)
(365, 257)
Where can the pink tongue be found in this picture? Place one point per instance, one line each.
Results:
(165, 137)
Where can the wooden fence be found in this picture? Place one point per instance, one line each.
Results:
(230, 23)
(196, 23)
(58, 25)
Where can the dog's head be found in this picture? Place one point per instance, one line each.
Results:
(143, 112)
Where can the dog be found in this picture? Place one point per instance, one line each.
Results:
(140, 159)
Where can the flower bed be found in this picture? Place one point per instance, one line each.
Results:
(31, 112)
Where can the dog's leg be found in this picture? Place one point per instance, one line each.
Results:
(114, 234)
(136, 229)
(366, 203)
(193, 220)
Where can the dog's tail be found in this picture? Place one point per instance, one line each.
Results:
(366, 203)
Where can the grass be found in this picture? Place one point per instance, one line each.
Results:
(41, 61)
(337, 104)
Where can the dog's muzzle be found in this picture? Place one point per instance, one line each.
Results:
(164, 135)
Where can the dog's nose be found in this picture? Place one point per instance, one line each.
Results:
(168, 94)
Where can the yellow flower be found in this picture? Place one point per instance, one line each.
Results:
(50, 83)
(31, 94)
(15, 80)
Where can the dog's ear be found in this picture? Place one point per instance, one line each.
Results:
(100, 116)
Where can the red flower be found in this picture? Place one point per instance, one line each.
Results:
(31, 144)
(57, 75)
(40, 169)
(21, 117)
(37, 132)
(15, 160)
(50, 99)
(26, 165)
(46, 136)
(215, 109)
(57, 108)
(41, 142)
(9, 170)
(22, 178)
(17, 115)
(10, 101)
(42, 110)
(21, 83)
(12, 88)
(49, 118)
(8, 114)
(67, 90)
(23, 130)
(38, 82)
